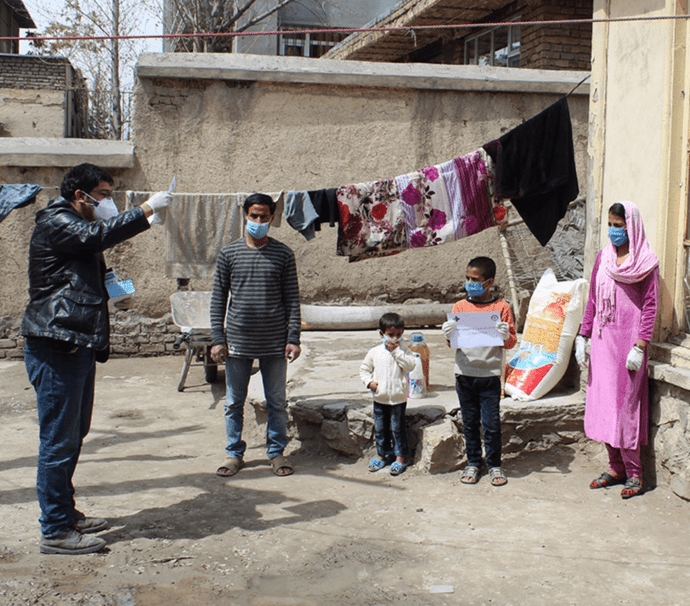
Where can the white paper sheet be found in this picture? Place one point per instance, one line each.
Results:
(475, 329)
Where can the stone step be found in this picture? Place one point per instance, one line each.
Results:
(675, 353)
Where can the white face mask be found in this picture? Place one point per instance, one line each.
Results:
(104, 209)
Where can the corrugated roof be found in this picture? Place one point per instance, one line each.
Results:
(389, 46)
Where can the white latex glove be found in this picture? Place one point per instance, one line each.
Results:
(580, 345)
(159, 201)
(503, 329)
(448, 327)
(635, 357)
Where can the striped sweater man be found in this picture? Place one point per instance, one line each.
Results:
(258, 289)
(255, 313)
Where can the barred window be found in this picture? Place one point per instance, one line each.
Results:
(307, 45)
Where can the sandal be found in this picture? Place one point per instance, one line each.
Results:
(397, 468)
(281, 466)
(470, 475)
(498, 478)
(606, 479)
(632, 488)
(230, 467)
(377, 464)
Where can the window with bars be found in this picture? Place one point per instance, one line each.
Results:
(499, 46)
(315, 44)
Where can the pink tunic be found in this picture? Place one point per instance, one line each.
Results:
(616, 406)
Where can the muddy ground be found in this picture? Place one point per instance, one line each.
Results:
(333, 533)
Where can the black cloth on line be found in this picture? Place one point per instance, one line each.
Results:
(325, 202)
(535, 168)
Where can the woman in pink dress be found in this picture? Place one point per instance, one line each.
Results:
(619, 318)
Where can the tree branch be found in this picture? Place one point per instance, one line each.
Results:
(268, 13)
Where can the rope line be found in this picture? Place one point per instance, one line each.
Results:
(351, 30)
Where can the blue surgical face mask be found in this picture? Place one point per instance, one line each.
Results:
(475, 289)
(257, 230)
(618, 235)
(396, 341)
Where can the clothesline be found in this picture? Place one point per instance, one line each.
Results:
(532, 165)
(353, 30)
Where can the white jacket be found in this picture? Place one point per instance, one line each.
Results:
(389, 369)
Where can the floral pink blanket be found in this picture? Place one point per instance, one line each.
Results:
(436, 205)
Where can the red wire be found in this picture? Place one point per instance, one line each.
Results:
(344, 30)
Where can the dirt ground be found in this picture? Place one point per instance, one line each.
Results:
(333, 533)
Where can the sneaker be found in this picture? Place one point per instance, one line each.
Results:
(71, 542)
(88, 525)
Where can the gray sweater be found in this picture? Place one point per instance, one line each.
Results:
(258, 289)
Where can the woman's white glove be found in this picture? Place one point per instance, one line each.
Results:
(635, 357)
(580, 345)
(448, 327)
(159, 201)
(503, 329)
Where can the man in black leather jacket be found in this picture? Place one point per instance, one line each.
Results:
(66, 327)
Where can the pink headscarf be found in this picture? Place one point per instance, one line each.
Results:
(640, 262)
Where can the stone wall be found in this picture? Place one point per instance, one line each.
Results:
(667, 458)
(131, 334)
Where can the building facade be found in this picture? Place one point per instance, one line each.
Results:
(13, 16)
(39, 96)
(554, 46)
(294, 17)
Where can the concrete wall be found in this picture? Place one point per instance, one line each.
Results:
(227, 123)
(241, 123)
(638, 137)
(31, 113)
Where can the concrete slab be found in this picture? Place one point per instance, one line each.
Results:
(64, 153)
(267, 68)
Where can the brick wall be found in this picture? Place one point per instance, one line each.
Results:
(33, 73)
(541, 47)
(557, 46)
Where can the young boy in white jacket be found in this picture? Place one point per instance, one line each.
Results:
(384, 372)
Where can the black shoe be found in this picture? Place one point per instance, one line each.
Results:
(71, 542)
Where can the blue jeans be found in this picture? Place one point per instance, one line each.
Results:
(273, 375)
(64, 383)
(480, 403)
(389, 429)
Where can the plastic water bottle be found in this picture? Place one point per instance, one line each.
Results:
(420, 347)
(416, 386)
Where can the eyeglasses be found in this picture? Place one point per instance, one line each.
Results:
(105, 193)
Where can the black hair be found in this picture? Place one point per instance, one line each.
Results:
(391, 320)
(485, 265)
(262, 199)
(618, 209)
(84, 177)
